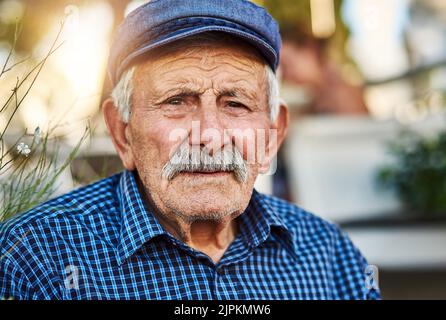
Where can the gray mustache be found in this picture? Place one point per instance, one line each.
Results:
(197, 158)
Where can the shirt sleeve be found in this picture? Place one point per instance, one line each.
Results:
(14, 284)
(354, 278)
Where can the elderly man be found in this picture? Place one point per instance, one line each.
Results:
(195, 117)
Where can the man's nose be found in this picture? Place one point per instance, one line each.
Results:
(208, 128)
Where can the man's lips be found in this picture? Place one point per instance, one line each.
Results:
(206, 173)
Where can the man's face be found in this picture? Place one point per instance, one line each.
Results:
(195, 96)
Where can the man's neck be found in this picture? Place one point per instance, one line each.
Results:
(210, 237)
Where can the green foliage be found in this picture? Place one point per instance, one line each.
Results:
(28, 169)
(32, 179)
(419, 174)
(294, 18)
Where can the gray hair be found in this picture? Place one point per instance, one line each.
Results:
(123, 91)
(198, 158)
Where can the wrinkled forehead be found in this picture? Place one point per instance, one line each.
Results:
(196, 66)
(205, 51)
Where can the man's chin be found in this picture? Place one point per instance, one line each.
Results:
(205, 199)
(209, 199)
(212, 216)
(196, 209)
(203, 182)
(206, 194)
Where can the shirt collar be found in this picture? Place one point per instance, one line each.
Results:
(139, 225)
(261, 220)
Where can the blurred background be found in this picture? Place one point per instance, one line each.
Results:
(365, 81)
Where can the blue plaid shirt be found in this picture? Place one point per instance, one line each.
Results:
(101, 242)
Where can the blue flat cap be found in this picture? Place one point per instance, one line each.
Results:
(160, 22)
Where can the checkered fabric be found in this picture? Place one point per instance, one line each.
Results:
(102, 242)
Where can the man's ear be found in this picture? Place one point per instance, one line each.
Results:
(118, 132)
(279, 131)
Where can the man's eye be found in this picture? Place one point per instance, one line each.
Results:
(174, 101)
(234, 104)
